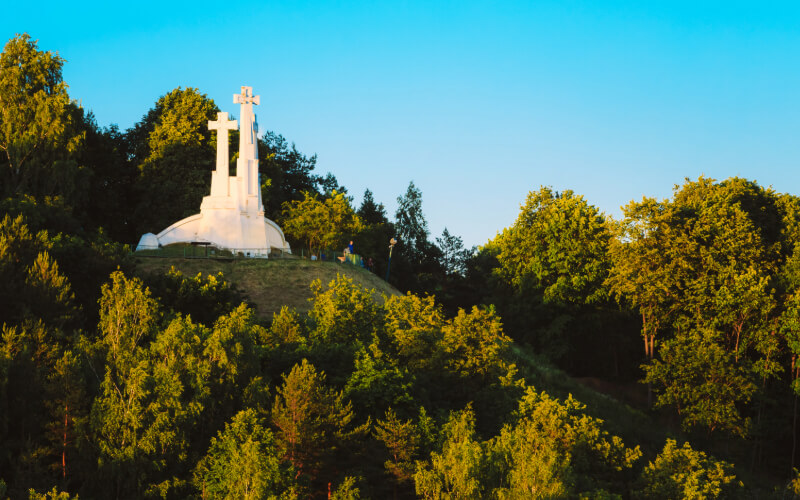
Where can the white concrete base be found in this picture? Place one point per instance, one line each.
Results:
(148, 241)
(224, 228)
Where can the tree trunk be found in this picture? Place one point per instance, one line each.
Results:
(794, 431)
(64, 443)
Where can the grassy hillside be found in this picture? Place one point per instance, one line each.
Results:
(270, 284)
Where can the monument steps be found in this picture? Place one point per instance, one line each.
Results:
(269, 284)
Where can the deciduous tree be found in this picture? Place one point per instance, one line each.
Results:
(682, 472)
(38, 129)
(320, 224)
(553, 449)
(701, 269)
(457, 472)
(173, 150)
(243, 462)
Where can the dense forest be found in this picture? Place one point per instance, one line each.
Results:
(115, 383)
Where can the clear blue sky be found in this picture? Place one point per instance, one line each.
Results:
(476, 102)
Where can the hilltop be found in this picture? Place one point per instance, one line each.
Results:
(270, 284)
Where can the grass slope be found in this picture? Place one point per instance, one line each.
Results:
(270, 284)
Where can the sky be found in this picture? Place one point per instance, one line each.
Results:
(476, 102)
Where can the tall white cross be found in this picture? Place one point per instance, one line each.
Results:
(248, 149)
(222, 125)
(246, 97)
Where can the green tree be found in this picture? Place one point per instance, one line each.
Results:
(453, 289)
(557, 245)
(330, 186)
(416, 260)
(643, 273)
(414, 329)
(370, 211)
(38, 132)
(204, 298)
(457, 472)
(68, 405)
(31, 456)
(411, 224)
(128, 316)
(320, 224)
(286, 328)
(110, 178)
(49, 293)
(474, 343)
(373, 239)
(555, 450)
(243, 462)
(547, 279)
(53, 494)
(347, 490)
(682, 472)
(343, 313)
(164, 389)
(312, 423)
(41, 391)
(31, 283)
(377, 383)
(402, 442)
(702, 379)
(232, 353)
(454, 255)
(701, 269)
(174, 152)
(287, 173)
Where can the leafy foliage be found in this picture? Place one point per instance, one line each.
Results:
(287, 172)
(321, 224)
(416, 259)
(546, 275)
(38, 132)
(402, 441)
(174, 154)
(557, 245)
(203, 298)
(701, 270)
(312, 423)
(411, 224)
(554, 449)
(682, 472)
(243, 462)
(456, 471)
(373, 239)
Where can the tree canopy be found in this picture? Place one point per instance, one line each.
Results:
(172, 149)
(39, 132)
(322, 224)
(702, 269)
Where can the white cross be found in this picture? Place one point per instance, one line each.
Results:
(246, 97)
(222, 125)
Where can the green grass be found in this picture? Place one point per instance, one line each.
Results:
(268, 284)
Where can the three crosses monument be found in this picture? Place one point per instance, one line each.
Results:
(232, 216)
